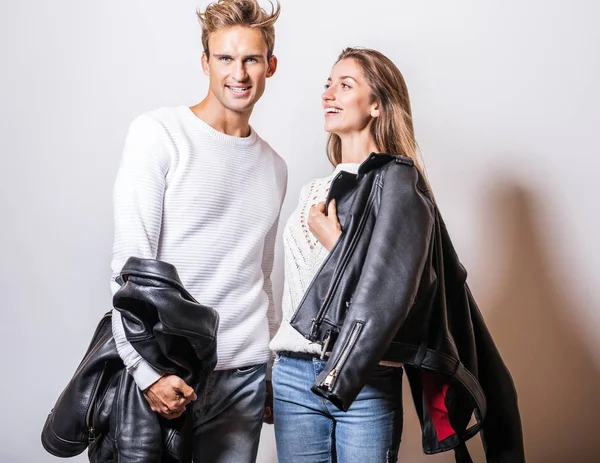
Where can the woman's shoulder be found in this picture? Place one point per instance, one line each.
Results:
(403, 171)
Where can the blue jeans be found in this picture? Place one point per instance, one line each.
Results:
(309, 429)
(228, 416)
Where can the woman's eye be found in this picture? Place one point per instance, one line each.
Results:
(326, 86)
(346, 86)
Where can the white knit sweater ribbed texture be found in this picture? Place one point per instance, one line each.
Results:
(209, 204)
(304, 255)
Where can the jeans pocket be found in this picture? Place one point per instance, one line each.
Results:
(247, 370)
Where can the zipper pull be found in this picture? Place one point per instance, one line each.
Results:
(91, 435)
(329, 379)
(313, 329)
(325, 345)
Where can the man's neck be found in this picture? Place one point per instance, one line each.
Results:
(222, 119)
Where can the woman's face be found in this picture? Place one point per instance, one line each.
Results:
(347, 99)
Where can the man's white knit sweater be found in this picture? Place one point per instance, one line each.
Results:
(209, 204)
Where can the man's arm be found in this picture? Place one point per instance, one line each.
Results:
(138, 201)
(273, 313)
(137, 205)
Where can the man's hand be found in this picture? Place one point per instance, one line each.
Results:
(169, 396)
(268, 414)
(326, 228)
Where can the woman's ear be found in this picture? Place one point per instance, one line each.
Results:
(375, 110)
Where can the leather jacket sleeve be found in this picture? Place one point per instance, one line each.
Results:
(387, 286)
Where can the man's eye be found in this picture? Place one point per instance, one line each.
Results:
(251, 60)
(225, 58)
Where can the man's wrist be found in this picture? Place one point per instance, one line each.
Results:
(144, 375)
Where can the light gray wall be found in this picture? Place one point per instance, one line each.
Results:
(505, 98)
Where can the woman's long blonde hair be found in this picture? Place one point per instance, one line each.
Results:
(392, 131)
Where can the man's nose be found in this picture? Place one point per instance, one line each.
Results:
(240, 74)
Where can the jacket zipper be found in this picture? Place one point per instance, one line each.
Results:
(325, 346)
(316, 322)
(331, 377)
(313, 280)
(317, 273)
(89, 416)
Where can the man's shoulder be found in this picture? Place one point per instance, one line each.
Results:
(169, 117)
(269, 151)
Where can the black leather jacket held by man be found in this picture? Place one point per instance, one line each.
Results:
(102, 408)
(393, 288)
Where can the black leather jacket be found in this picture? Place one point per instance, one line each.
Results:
(102, 407)
(393, 288)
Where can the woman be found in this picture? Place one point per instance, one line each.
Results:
(373, 286)
(304, 423)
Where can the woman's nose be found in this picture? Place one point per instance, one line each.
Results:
(327, 95)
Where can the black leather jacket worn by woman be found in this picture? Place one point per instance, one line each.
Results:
(393, 288)
(102, 407)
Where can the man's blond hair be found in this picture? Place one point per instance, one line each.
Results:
(227, 13)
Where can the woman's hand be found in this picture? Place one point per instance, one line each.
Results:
(326, 228)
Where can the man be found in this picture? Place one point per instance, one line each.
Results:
(198, 188)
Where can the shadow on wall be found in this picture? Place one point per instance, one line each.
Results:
(529, 311)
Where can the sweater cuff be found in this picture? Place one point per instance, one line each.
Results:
(144, 375)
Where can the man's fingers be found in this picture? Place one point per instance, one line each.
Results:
(180, 401)
(169, 396)
(188, 392)
(171, 410)
(175, 414)
(185, 394)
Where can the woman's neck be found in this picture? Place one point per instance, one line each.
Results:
(357, 147)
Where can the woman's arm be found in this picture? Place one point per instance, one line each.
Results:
(388, 284)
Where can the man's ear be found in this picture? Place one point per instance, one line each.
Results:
(205, 66)
(272, 66)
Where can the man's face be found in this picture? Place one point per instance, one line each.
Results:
(237, 67)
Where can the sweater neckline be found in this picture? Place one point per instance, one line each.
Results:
(351, 167)
(230, 139)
